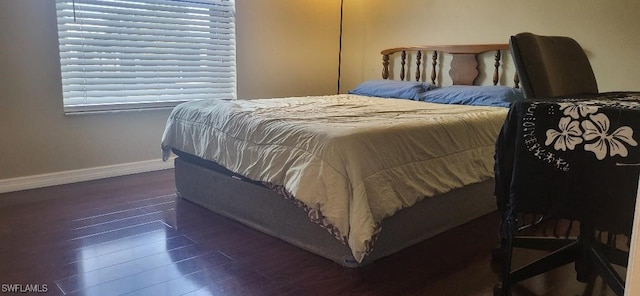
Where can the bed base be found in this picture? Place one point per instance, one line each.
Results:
(263, 209)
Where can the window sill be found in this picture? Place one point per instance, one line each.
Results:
(114, 108)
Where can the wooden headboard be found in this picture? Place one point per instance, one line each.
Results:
(464, 62)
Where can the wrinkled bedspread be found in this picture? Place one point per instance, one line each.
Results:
(355, 159)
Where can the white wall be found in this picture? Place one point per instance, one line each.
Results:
(607, 30)
(285, 48)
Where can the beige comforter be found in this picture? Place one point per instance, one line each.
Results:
(355, 159)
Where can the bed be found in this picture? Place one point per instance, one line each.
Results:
(351, 177)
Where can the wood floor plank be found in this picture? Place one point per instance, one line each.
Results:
(95, 276)
(115, 213)
(91, 263)
(142, 279)
(132, 235)
(178, 286)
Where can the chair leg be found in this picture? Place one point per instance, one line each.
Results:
(541, 243)
(563, 256)
(606, 271)
(584, 264)
(530, 242)
(615, 256)
(504, 288)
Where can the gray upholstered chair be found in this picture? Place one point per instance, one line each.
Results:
(551, 66)
(554, 66)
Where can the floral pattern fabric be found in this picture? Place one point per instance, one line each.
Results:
(583, 121)
(575, 158)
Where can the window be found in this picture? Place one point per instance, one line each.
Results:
(138, 54)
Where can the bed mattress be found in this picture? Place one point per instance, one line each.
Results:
(350, 161)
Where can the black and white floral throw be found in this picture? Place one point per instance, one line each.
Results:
(574, 158)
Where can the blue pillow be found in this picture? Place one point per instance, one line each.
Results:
(499, 96)
(411, 90)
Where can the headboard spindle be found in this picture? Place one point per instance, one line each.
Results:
(403, 58)
(434, 63)
(418, 64)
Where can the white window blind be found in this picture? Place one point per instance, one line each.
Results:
(132, 54)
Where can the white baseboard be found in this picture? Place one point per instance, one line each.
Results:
(66, 177)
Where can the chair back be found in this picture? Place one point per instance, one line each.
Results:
(551, 66)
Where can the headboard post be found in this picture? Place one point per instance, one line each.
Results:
(496, 75)
(403, 58)
(418, 64)
(385, 66)
(434, 63)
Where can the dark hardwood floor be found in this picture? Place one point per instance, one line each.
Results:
(131, 235)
